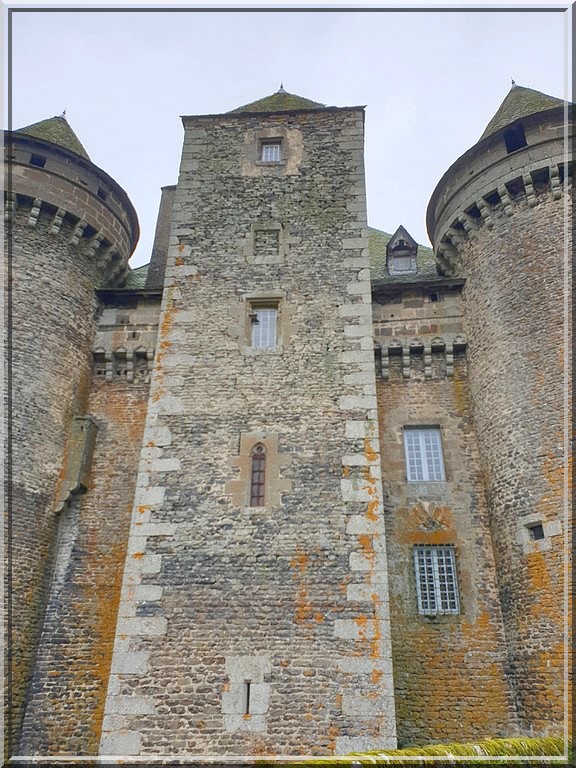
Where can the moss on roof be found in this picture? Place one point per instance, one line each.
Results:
(425, 261)
(58, 131)
(520, 102)
(281, 101)
(377, 242)
(137, 278)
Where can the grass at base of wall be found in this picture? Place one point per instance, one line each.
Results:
(476, 754)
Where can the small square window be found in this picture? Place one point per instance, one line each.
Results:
(436, 580)
(38, 160)
(270, 152)
(514, 138)
(423, 450)
(264, 320)
(536, 531)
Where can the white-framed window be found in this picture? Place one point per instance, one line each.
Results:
(270, 152)
(423, 450)
(436, 580)
(264, 327)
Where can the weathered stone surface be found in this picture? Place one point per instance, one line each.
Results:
(244, 583)
(171, 611)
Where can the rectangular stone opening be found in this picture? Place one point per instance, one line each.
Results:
(536, 531)
(38, 160)
(246, 697)
(266, 243)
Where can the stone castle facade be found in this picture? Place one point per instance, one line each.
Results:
(297, 486)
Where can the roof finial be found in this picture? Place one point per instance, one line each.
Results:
(513, 81)
(281, 89)
(64, 114)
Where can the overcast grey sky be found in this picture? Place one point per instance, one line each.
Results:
(431, 81)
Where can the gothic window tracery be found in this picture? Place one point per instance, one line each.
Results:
(257, 476)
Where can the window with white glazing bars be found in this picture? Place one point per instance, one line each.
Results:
(271, 152)
(264, 322)
(436, 580)
(423, 449)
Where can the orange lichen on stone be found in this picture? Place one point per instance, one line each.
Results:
(333, 733)
(366, 545)
(303, 605)
(460, 391)
(375, 642)
(369, 452)
(423, 526)
(372, 509)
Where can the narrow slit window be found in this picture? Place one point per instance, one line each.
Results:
(436, 580)
(247, 686)
(264, 324)
(257, 476)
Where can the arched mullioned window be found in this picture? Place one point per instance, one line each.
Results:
(257, 475)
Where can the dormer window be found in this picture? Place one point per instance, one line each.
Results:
(401, 253)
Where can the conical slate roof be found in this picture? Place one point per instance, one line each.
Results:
(281, 101)
(58, 131)
(520, 102)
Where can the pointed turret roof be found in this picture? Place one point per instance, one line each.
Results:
(281, 101)
(56, 130)
(520, 102)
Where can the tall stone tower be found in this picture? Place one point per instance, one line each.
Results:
(498, 218)
(254, 611)
(70, 228)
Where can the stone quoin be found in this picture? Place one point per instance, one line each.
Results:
(298, 485)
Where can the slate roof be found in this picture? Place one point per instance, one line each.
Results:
(56, 130)
(377, 242)
(425, 262)
(137, 278)
(520, 102)
(281, 101)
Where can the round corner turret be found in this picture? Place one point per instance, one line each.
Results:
(500, 219)
(513, 162)
(57, 184)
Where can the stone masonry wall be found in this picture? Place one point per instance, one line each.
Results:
(290, 596)
(514, 318)
(68, 689)
(53, 307)
(450, 671)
